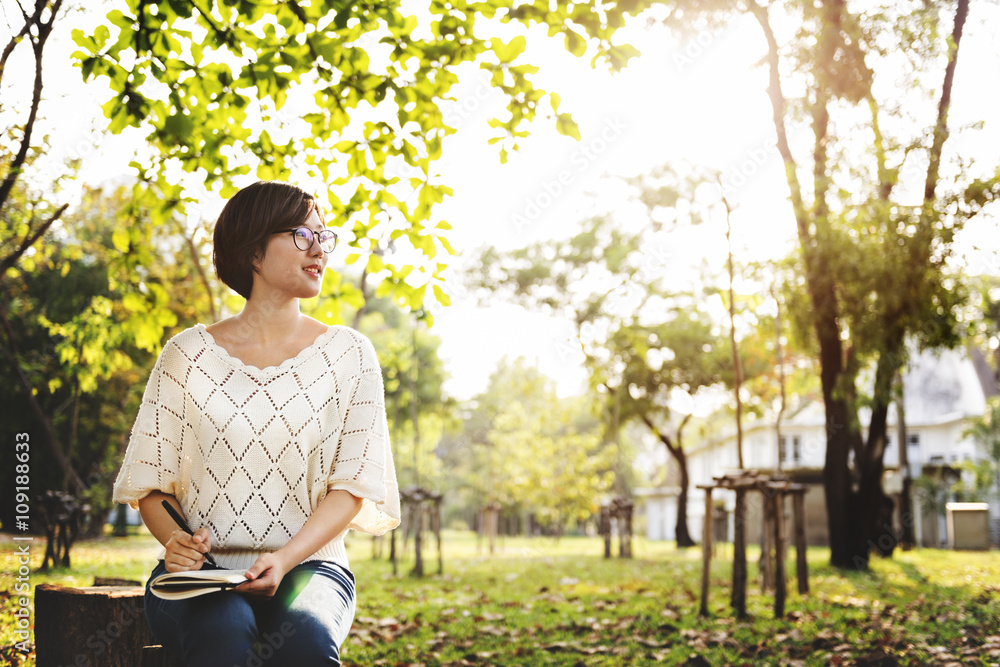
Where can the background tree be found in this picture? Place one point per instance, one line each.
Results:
(531, 451)
(682, 355)
(641, 341)
(69, 338)
(418, 411)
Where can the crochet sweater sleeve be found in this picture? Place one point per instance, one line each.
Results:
(363, 461)
(153, 458)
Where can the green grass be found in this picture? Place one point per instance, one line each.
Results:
(541, 601)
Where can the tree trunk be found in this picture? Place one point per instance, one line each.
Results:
(681, 532)
(677, 451)
(907, 539)
(880, 536)
(841, 503)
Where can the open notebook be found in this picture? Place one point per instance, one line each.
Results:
(181, 585)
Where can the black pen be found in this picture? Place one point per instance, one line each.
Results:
(179, 520)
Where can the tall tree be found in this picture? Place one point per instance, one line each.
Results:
(868, 293)
(25, 216)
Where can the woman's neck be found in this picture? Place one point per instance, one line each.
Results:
(265, 320)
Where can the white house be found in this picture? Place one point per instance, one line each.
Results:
(944, 390)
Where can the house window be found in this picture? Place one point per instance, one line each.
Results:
(791, 450)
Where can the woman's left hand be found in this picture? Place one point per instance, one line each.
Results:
(265, 575)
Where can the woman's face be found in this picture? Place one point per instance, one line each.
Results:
(286, 269)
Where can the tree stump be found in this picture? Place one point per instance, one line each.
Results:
(102, 625)
(157, 656)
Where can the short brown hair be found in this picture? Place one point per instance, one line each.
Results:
(246, 223)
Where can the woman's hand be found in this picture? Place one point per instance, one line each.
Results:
(186, 552)
(264, 576)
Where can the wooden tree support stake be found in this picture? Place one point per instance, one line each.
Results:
(739, 594)
(774, 492)
(799, 515)
(777, 500)
(706, 550)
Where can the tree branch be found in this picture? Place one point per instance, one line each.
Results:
(778, 104)
(885, 180)
(10, 260)
(38, 45)
(941, 126)
(193, 251)
(664, 438)
(11, 45)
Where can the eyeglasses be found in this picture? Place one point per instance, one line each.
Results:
(304, 238)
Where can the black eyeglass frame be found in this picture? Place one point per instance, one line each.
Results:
(312, 237)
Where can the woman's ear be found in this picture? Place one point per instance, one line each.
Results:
(256, 260)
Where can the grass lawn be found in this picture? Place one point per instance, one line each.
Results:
(546, 602)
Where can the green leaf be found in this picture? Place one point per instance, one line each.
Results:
(620, 55)
(134, 302)
(508, 52)
(565, 125)
(441, 297)
(120, 239)
(575, 44)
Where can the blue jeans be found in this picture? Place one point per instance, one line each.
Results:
(304, 624)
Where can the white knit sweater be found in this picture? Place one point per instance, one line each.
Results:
(250, 453)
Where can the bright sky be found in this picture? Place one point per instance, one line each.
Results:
(700, 102)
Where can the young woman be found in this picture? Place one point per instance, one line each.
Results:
(267, 432)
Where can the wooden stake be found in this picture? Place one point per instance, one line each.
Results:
(706, 550)
(766, 573)
(801, 566)
(739, 597)
(780, 585)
